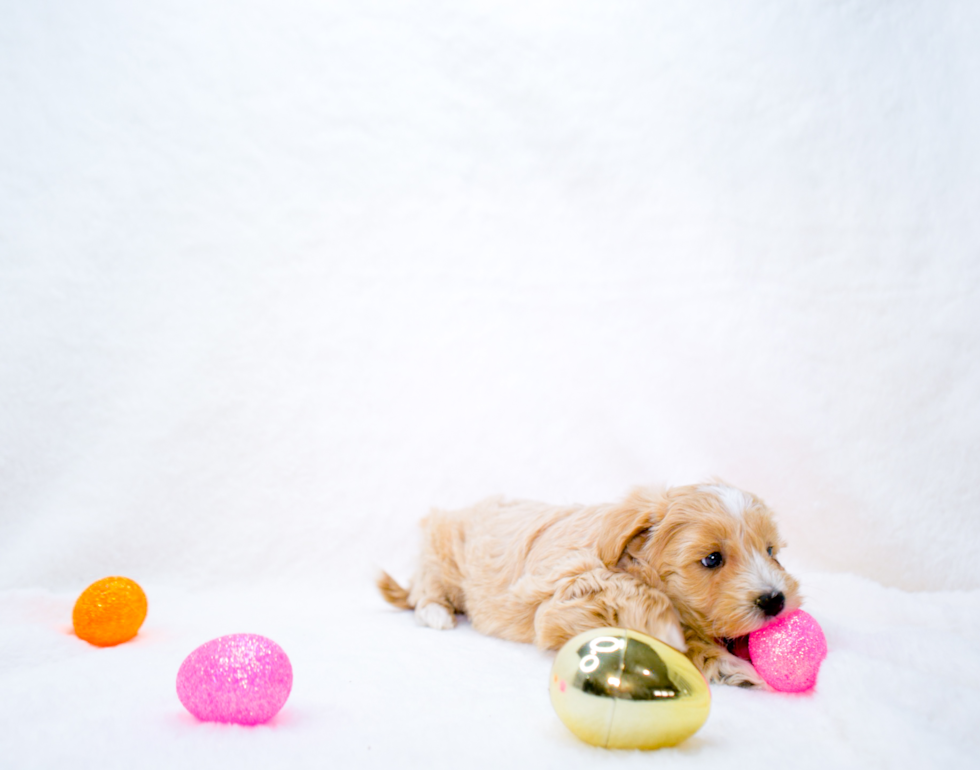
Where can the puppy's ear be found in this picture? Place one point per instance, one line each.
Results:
(628, 522)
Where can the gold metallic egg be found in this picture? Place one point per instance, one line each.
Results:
(621, 689)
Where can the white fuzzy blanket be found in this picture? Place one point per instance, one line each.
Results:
(900, 689)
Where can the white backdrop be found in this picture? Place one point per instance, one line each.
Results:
(275, 278)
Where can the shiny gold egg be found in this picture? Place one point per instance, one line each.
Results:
(621, 689)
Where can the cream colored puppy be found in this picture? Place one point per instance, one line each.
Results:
(694, 566)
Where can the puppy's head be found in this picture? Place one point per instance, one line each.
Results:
(714, 551)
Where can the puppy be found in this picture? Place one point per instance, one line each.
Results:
(694, 566)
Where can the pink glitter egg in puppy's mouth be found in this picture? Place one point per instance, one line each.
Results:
(788, 652)
(241, 678)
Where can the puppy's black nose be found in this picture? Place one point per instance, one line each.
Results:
(771, 603)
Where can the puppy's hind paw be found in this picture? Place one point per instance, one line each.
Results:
(434, 616)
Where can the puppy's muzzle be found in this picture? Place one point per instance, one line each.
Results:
(771, 604)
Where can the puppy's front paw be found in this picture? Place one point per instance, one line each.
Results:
(434, 616)
(737, 672)
(669, 631)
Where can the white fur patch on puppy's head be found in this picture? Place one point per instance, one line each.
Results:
(734, 500)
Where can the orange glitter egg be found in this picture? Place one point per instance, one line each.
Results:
(110, 611)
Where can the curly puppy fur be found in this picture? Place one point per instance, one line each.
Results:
(694, 566)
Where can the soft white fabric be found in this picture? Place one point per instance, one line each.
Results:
(900, 688)
(277, 277)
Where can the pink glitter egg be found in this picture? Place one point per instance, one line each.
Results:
(788, 652)
(241, 678)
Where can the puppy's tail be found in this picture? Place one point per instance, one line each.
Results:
(392, 592)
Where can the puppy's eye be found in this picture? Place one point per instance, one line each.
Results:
(712, 560)
(769, 550)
